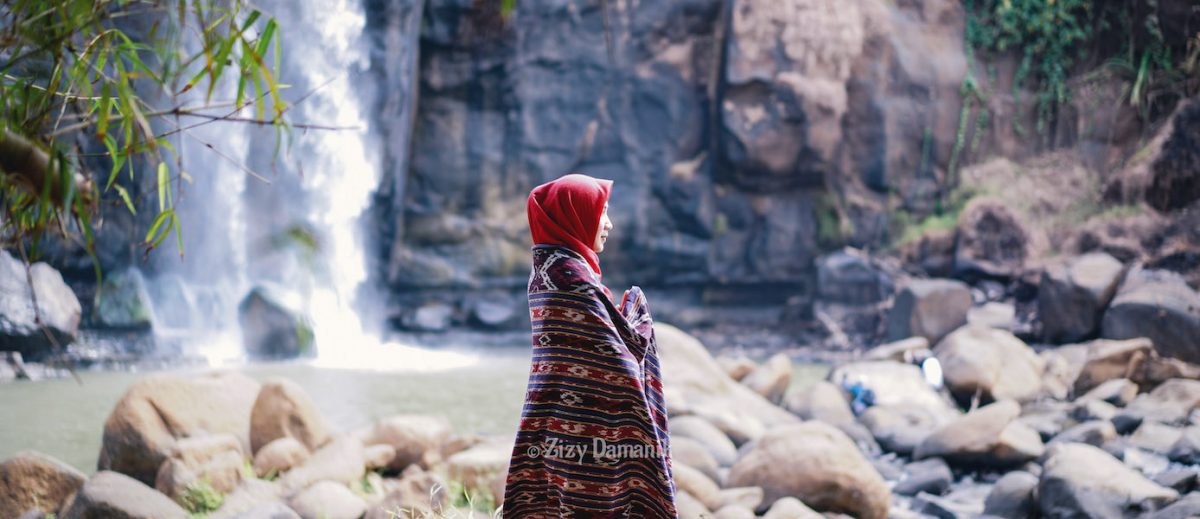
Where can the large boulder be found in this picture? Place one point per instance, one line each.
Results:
(816, 463)
(1084, 481)
(990, 436)
(31, 480)
(284, 409)
(1159, 305)
(696, 384)
(901, 428)
(851, 276)
(929, 308)
(1073, 295)
(272, 328)
(894, 384)
(110, 495)
(825, 402)
(279, 456)
(158, 410)
(415, 438)
(123, 301)
(991, 362)
(57, 306)
(992, 240)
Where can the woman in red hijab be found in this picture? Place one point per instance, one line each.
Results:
(593, 438)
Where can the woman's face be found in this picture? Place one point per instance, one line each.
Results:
(605, 226)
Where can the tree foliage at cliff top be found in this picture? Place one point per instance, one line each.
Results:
(74, 71)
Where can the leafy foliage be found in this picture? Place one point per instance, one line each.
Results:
(201, 498)
(78, 70)
(1047, 34)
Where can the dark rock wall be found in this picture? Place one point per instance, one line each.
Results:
(727, 125)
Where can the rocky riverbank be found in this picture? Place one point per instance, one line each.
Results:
(1100, 429)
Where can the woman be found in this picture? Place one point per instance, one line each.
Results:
(593, 435)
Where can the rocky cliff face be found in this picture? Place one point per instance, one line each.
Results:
(734, 130)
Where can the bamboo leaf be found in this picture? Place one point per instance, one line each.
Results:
(125, 196)
(164, 186)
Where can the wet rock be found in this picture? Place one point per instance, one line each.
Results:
(772, 378)
(990, 436)
(929, 308)
(430, 317)
(279, 456)
(116, 496)
(716, 442)
(1013, 496)
(992, 241)
(1081, 480)
(158, 410)
(1094, 432)
(272, 328)
(328, 500)
(816, 463)
(1158, 305)
(122, 301)
(284, 409)
(850, 276)
(1110, 360)
(32, 480)
(696, 384)
(415, 438)
(1072, 296)
(931, 476)
(495, 311)
(990, 362)
(56, 304)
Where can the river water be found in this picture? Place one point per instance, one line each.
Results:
(66, 420)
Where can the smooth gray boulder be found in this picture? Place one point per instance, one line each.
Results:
(929, 308)
(1072, 296)
(1160, 305)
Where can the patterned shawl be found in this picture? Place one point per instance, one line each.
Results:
(593, 435)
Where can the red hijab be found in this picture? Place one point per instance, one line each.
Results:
(566, 211)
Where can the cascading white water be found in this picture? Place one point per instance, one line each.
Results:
(321, 184)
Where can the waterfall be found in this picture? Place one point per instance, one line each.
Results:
(294, 223)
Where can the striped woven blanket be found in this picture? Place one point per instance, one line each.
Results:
(593, 435)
